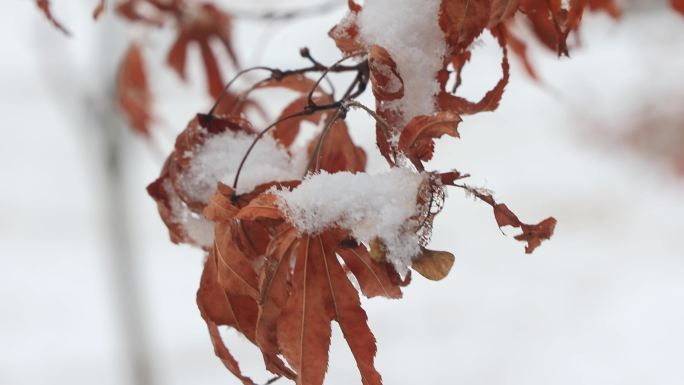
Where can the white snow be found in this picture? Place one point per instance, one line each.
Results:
(370, 206)
(409, 30)
(219, 157)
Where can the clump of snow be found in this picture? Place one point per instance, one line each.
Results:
(219, 157)
(409, 30)
(370, 206)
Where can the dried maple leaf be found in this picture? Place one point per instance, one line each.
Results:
(133, 93)
(320, 292)
(206, 23)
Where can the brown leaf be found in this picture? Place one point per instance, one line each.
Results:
(273, 288)
(216, 310)
(287, 130)
(304, 327)
(375, 278)
(171, 207)
(44, 6)
(346, 34)
(208, 23)
(417, 139)
(535, 234)
(338, 152)
(519, 48)
(386, 82)
(532, 234)
(463, 21)
(221, 207)
(490, 101)
(264, 206)
(349, 314)
(298, 83)
(133, 93)
(678, 5)
(434, 265)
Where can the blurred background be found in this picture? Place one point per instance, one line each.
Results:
(93, 292)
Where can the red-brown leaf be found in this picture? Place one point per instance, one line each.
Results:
(338, 152)
(304, 327)
(490, 101)
(417, 139)
(349, 314)
(532, 234)
(273, 288)
(208, 23)
(133, 93)
(265, 206)
(386, 82)
(216, 309)
(375, 278)
(463, 21)
(44, 6)
(678, 5)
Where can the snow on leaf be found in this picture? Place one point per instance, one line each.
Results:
(380, 206)
(386, 83)
(678, 5)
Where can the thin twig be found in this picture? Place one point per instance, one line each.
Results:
(317, 152)
(384, 126)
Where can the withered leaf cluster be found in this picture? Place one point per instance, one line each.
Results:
(278, 286)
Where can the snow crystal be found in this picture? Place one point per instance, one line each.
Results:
(219, 158)
(370, 206)
(409, 30)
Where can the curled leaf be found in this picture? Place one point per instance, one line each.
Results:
(417, 139)
(386, 82)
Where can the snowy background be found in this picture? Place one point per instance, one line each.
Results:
(599, 304)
